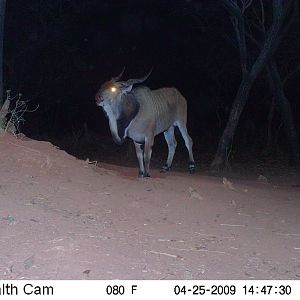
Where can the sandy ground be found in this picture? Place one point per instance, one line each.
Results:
(62, 218)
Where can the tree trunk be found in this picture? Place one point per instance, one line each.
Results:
(3, 113)
(2, 14)
(270, 44)
(269, 143)
(284, 107)
(221, 157)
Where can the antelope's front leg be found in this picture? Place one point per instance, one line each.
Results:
(147, 155)
(140, 156)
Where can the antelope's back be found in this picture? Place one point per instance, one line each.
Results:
(164, 106)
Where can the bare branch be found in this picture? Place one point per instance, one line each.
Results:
(232, 7)
(245, 5)
(17, 113)
(238, 22)
(262, 15)
(291, 74)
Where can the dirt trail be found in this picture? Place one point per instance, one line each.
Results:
(62, 218)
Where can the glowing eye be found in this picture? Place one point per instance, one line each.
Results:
(113, 89)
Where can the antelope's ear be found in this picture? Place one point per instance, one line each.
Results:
(126, 88)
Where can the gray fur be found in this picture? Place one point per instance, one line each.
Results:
(141, 114)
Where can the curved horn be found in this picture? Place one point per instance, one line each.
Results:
(119, 76)
(138, 80)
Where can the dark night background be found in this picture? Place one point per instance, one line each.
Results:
(59, 52)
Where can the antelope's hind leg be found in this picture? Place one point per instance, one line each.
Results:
(171, 141)
(189, 145)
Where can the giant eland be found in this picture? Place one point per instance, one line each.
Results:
(141, 113)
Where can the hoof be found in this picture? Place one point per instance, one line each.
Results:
(143, 175)
(165, 168)
(192, 168)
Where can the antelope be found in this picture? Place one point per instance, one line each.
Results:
(140, 114)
